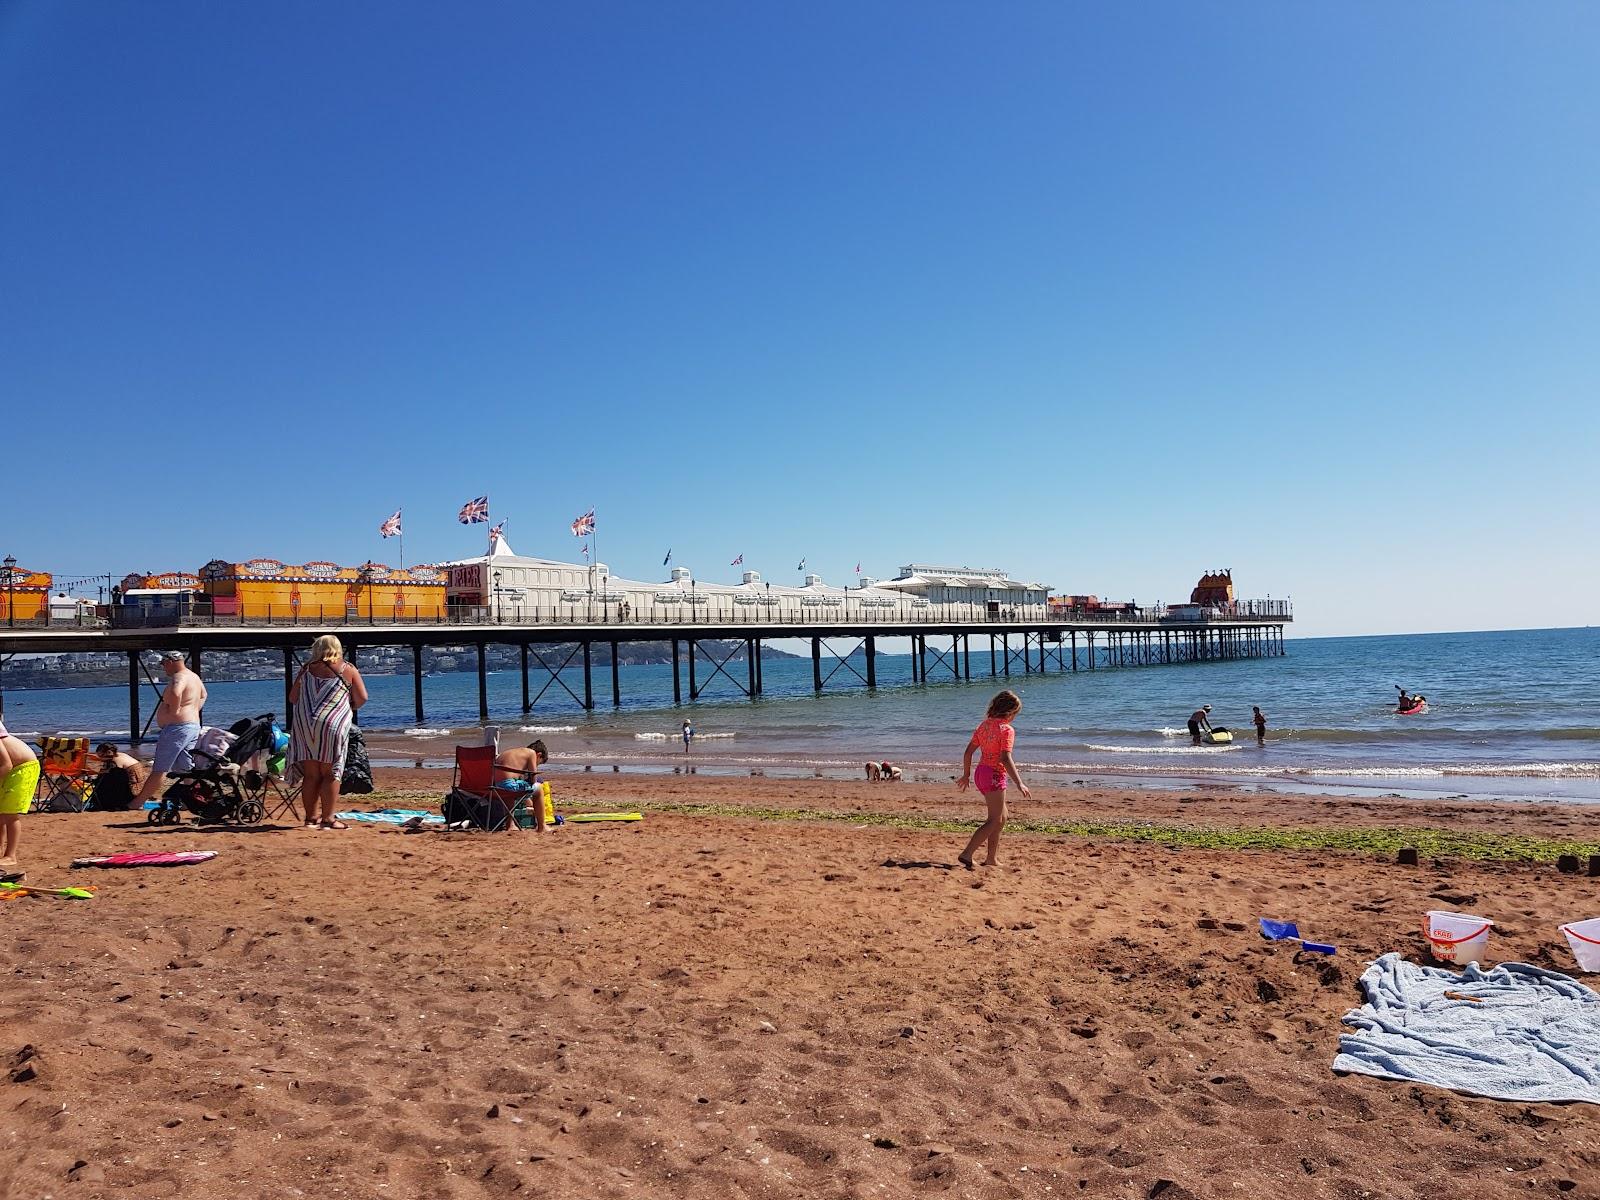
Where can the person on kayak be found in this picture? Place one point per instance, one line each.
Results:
(1409, 704)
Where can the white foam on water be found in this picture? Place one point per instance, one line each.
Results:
(1161, 749)
(548, 728)
(424, 731)
(662, 737)
(650, 737)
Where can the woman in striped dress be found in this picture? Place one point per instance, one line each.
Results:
(325, 696)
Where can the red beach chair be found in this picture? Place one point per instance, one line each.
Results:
(473, 798)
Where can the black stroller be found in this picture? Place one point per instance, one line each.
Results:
(221, 788)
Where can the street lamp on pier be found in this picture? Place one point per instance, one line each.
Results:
(11, 602)
(496, 578)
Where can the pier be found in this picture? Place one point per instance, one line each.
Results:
(556, 649)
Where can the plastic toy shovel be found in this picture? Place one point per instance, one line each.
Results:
(14, 890)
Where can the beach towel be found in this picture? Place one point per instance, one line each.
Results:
(176, 858)
(1526, 1034)
(392, 816)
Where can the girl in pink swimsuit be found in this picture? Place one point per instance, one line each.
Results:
(993, 739)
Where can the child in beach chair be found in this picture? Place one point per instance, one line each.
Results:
(480, 800)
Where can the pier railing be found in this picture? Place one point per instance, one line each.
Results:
(784, 611)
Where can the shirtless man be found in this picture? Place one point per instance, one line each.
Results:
(19, 778)
(178, 714)
(1198, 720)
(517, 770)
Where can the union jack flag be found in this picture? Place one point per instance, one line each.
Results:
(737, 561)
(584, 525)
(495, 531)
(391, 527)
(474, 512)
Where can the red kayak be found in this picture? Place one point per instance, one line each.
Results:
(1413, 710)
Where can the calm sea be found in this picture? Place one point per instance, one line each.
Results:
(1510, 714)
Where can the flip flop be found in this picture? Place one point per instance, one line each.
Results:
(335, 824)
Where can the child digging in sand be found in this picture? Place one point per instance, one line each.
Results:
(994, 738)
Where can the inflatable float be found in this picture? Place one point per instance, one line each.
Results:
(1217, 737)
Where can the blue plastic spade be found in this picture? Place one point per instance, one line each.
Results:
(1318, 947)
(1277, 931)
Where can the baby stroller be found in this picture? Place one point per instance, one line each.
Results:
(223, 785)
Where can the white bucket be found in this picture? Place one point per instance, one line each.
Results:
(1584, 938)
(1457, 937)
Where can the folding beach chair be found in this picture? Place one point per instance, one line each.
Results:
(276, 795)
(65, 780)
(474, 799)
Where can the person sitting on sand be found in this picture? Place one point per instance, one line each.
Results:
(121, 776)
(19, 779)
(994, 738)
(517, 771)
(1199, 720)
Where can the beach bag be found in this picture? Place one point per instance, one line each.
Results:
(357, 779)
(113, 791)
(464, 810)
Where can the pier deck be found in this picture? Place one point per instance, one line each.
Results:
(941, 646)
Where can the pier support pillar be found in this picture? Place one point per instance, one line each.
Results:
(750, 666)
(761, 684)
(527, 702)
(1005, 652)
(483, 684)
(1074, 650)
(955, 656)
(872, 662)
(616, 690)
(694, 688)
(966, 655)
(416, 681)
(677, 684)
(588, 677)
(288, 682)
(816, 664)
(134, 727)
(991, 656)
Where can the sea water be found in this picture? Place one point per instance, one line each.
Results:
(1514, 714)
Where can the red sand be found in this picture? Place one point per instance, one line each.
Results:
(710, 1007)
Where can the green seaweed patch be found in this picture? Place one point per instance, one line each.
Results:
(1439, 843)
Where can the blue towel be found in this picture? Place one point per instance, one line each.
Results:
(1535, 1035)
(392, 816)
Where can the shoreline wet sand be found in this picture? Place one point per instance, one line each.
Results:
(711, 1004)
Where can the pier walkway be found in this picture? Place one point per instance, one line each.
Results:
(556, 649)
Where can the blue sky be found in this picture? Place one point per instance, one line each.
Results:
(1106, 295)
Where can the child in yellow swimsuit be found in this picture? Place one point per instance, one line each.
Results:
(19, 778)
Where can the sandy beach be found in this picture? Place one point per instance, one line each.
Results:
(718, 1005)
